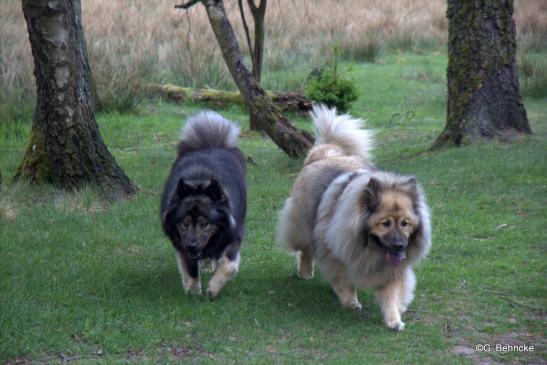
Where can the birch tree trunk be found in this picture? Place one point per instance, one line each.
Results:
(65, 147)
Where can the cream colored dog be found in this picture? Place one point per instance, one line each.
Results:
(364, 227)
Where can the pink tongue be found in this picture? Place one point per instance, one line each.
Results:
(395, 259)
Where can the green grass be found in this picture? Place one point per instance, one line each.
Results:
(86, 281)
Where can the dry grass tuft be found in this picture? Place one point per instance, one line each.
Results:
(84, 201)
(134, 41)
(8, 210)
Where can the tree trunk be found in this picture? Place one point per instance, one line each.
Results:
(483, 91)
(293, 141)
(258, 13)
(65, 146)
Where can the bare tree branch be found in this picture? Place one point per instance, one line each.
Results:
(293, 141)
(247, 33)
(187, 5)
(262, 5)
(252, 5)
(256, 9)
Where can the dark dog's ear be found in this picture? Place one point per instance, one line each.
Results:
(369, 199)
(181, 191)
(169, 225)
(167, 216)
(214, 191)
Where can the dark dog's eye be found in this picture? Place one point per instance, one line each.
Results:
(185, 222)
(204, 225)
(386, 224)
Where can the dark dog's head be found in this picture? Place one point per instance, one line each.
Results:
(196, 213)
(393, 218)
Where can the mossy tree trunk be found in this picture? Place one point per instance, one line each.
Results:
(291, 140)
(65, 147)
(483, 90)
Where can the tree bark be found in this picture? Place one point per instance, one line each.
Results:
(259, 13)
(257, 50)
(65, 147)
(293, 141)
(286, 101)
(483, 90)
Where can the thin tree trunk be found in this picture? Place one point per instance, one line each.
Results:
(483, 90)
(65, 146)
(293, 141)
(258, 13)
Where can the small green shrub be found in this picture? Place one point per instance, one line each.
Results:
(326, 85)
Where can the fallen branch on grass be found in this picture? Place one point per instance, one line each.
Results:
(506, 297)
(287, 101)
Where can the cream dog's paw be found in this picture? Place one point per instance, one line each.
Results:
(397, 325)
(353, 304)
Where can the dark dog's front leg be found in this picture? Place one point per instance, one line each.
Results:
(227, 267)
(189, 271)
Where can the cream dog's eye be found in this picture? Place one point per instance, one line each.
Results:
(386, 224)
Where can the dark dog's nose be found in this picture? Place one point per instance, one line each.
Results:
(192, 245)
(398, 247)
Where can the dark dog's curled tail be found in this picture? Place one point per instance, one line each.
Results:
(206, 130)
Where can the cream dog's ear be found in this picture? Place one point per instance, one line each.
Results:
(370, 196)
(421, 237)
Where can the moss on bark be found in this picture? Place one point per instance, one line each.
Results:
(35, 165)
(483, 93)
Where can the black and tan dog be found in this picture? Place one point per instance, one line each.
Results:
(204, 201)
(365, 228)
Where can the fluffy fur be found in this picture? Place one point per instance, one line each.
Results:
(204, 201)
(365, 228)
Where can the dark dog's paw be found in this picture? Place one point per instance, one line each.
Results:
(211, 294)
(192, 288)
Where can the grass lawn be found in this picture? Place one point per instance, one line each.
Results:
(84, 281)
